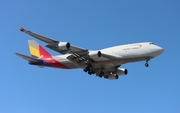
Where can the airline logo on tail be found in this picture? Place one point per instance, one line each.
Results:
(37, 51)
(34, 48)
(34, 52)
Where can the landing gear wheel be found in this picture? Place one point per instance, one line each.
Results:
(89, 72)
(93, 72)
(146, 64)
(101, 74)
(117, 76)
(85, 70)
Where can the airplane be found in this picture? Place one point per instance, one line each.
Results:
(104, 63)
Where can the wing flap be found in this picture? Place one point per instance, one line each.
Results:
(28, 58)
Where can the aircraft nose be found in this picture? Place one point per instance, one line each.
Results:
(160, 50)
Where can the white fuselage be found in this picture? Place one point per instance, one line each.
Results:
(121, 54)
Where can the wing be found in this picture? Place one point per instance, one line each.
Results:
(61, 47)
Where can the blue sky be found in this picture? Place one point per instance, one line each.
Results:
(93, 24)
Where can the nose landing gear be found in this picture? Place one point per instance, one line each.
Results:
(146, 64)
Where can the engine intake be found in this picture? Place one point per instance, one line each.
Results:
(95, 54)
(64, 45)
(122, 71)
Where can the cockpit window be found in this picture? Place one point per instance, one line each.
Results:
(151, 43)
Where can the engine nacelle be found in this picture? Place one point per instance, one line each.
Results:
(94, 54)
(112, 77)
(64, 45)
(122, 71)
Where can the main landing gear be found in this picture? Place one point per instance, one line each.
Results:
(146, 64)
(101, 74)
(117, 76)
(89, 69)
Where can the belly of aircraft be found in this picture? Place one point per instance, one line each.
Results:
(106, 63)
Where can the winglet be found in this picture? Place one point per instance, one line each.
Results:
(22, 29)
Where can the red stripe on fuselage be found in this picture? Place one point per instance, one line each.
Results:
(50, 60)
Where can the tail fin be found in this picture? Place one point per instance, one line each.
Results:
(37, 50)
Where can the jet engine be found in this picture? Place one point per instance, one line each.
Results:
(122, 71)
(64, 45)
(112, 77)
(94, 54)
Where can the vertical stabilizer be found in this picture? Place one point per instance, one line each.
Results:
(37, 50)
(34, 48)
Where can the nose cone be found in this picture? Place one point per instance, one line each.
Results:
(159, 50)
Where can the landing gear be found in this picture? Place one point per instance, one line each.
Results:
(101, 74)
(89, 69)
(117, 76)
(89, 72)
(93, 72)
(146, 64)
(85, 70)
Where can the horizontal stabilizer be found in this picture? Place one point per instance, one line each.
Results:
(28, 58)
